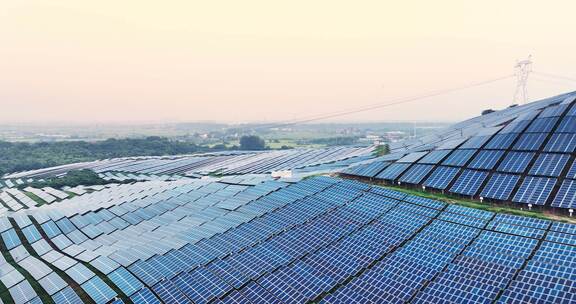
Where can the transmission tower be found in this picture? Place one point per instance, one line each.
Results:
(522, 70)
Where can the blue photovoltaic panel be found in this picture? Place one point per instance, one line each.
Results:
(549, 164)
(515, 162)
(10, 239)
(475, 142)
(572, 172)
(412, 157)
(367, 170)
(542, 125)
(486, 159)
(434, 157)
(521, 221)
(561, 142)
(125, 281)
(501, 141)
(441, 177)
(98, 290)
(566, 196)
(458, 157)
(500, 186)
(476, 213)
(374, 168)
(393, 171)
(426, 202)
(547, 277)
(144, 296)
(534, 190)
(416, 173)
(563, 227)
(530, 141)
(567, 125)
(554, 111)
(469, 182)
(515, 127)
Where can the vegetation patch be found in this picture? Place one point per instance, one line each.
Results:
(72, 179)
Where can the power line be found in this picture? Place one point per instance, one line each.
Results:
(540, 78)
(392, 102)
(555, 76)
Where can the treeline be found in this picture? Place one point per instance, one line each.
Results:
(16, 157)
(29, 156)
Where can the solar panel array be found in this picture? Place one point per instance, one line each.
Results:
(524, 154)
(14, 199)
(224, 163)
(322, 240)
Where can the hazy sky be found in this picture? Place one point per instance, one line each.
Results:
(118, 60)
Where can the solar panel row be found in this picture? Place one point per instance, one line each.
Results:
(522, 154)
(321, 239)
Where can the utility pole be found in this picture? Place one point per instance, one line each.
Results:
(522, 70)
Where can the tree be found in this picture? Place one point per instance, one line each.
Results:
(382, 150)
(252, 142)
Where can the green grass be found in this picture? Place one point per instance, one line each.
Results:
(5, 294)
(35, 198)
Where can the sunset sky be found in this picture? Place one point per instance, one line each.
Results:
(239, 61)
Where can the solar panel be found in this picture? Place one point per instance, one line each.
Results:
(52, 283)
(516, 127)
(476, 142)
(534, 190)
(144, 296)
(469, 182)
(367, 170)
(441, 177)
(10, 239)
(515, 162)
(426, 202)
(501, 141)
(564, 238)
(475, 213)
(561, 142)
(563, 227)
(572, 171)
(393, 171)
(412, 157)
(458, 157)
(98, 290)
(554, 111)
(500, 186)
(530, 141)
(486, 159)
(416, 173)
(542, 125)
(66, 296)
(567, 125)
(546, 278)
(125, 281)
(566, 196)
(549, 164)
(22, 292)
(434, 157)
